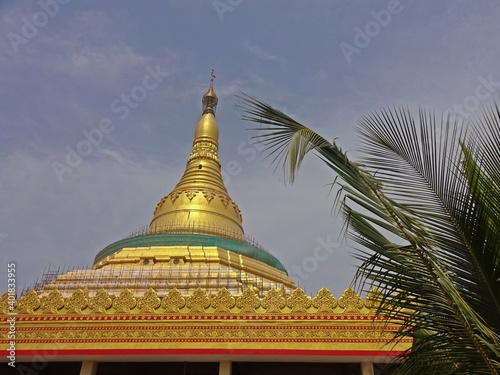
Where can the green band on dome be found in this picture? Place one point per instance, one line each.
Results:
(184, 239)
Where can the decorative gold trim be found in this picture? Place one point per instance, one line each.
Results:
(78, 301)
(173, 301)
(274, 301)
(350, 300)
(124, 302)
(149, 302)
(201, 321)
(223, 301)
(100, 302)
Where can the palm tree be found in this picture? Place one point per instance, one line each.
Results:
(423, 205)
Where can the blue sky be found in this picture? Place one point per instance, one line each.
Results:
(67, 67)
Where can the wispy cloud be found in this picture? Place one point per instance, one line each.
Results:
(259, 52)
(120, 159)
(230, 88)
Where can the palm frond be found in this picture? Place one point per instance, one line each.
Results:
(423, 204)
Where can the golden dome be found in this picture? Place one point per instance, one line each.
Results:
(200, 203)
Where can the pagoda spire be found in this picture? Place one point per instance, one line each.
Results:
(200, 203)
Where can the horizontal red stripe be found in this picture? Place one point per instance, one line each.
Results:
(93, 352)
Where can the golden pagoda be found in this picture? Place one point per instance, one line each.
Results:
(191, 294)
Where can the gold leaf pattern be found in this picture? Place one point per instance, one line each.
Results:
(350, 300)
(373, 299)
(53, 302)
(237, 209)
(173, 301)
(324, 301)
(190, 194)
(100, 302)
(209, 195)
(76, 302)
(149, 302)
(248, 301)
(198, 301)
(299, 301)
(124, 302)
(224, 200)
(273, 301)
(28, 303)
(7, 307)
(223, 301)
(174, 195)
(224, 332)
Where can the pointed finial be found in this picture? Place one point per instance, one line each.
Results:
(209, 98)
(212, 75)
